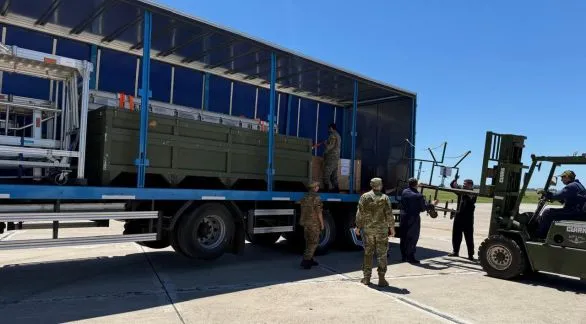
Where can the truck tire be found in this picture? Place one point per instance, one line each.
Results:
(328, 236)
(206, 232)
(175, 245)
(501, 257)
(264, 239)
(346, 223)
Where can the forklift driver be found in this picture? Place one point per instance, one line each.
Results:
(573, 196)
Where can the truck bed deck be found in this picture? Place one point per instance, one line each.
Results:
(48, 192)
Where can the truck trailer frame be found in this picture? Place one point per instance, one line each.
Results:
(197, 223)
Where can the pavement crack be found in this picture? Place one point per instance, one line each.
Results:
(163, 285)
(426, 309)
(6, 302)
(7, 236)
(416, 305)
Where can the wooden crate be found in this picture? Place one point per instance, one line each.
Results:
(343, 173)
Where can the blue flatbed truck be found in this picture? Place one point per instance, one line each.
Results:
(86, 49)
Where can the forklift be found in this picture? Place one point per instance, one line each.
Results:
(512, 247)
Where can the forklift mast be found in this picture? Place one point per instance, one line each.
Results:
(505, 151)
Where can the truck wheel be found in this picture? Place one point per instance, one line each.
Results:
(206, 232)
(347, 223)
(264, 239)
(501, 257)
(328, 235)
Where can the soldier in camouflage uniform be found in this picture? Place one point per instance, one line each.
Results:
(312, 221)
(375, 222)
(331, 159)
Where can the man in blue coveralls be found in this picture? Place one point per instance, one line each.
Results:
(412, 204)
(573, 196)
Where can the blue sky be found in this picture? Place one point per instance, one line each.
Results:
(505, 66)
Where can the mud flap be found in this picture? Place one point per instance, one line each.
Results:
(239, 239)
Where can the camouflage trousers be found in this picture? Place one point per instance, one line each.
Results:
(379, 243)
(311, 233)
(330, 174)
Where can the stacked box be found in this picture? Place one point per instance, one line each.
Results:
(343, 172)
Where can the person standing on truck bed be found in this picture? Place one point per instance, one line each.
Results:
(574, 198)
(331, 159)
(413, 204)
(375, 222)
(313, 223)
(464, 220)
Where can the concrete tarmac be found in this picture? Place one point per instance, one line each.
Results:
(127, 283)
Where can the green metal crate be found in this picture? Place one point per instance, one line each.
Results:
(179, 148)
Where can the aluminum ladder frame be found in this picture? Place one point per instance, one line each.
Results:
(73, 118)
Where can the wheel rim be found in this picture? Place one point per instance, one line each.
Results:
(499, 257)
(211, 231)
(324, 236)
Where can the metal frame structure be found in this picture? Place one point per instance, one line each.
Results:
(288, 73)
(73, 110)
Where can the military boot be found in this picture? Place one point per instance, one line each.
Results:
(382, 282)
(306, 264)
(365, 281)
(313, 262)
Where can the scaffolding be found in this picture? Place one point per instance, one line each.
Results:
(45, 135)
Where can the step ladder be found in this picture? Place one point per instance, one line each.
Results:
(57, 217)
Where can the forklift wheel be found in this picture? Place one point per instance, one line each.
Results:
(501, 257)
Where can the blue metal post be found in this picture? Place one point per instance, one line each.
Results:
(343, 127)
(413, 115)
(94, 60)
(353, 151)
(289, 103)
(273, 92)
(206, 95)
(142, 162)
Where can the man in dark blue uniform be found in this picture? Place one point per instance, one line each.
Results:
(573, 196)
(464, 219)
(412, 205)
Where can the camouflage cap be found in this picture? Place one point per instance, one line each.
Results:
(313, 184)
(376, 182)
(568, 173)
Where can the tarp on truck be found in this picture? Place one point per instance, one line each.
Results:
(110, 32)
